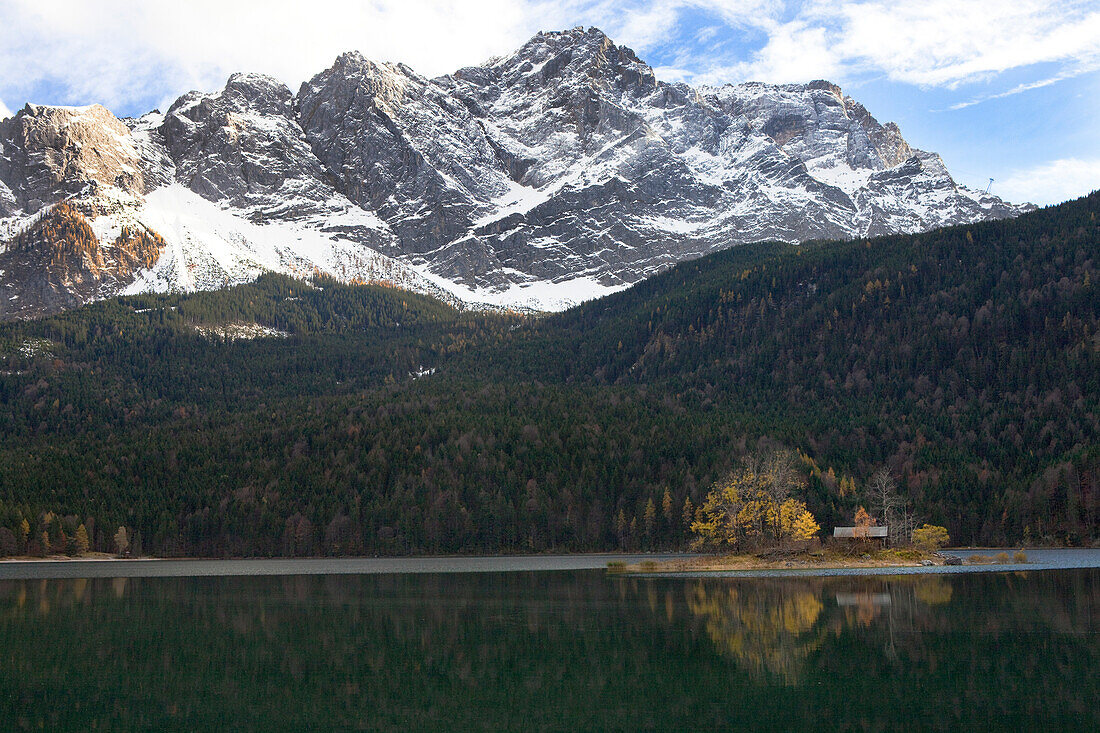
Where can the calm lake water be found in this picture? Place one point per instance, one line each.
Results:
(552, 650)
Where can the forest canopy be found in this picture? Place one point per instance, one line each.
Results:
(360, 418)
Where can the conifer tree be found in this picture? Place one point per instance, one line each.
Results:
(81, 541)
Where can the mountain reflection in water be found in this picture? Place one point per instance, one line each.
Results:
(552, 651)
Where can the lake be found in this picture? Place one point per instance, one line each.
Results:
(551, 649)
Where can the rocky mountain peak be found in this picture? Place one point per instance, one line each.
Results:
(578, 56)
(353, 73)
(827, 86)
(243, 146)
(260, 94)
(834, 135)
(243, 93)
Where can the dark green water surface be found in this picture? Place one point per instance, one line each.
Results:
(576, 650)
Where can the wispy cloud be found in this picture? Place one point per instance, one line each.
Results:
(1052, 182)
(934, 43)
(951, 42)
(1028, 86)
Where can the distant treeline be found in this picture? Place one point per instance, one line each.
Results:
(966, 360)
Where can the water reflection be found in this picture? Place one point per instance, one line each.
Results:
(576, 650)
(774, 627)
(768, 627)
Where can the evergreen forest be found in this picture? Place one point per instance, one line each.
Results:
(286, 417)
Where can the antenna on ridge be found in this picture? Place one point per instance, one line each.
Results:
(988, 185)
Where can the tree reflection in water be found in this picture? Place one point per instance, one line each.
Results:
(769, 628)
(774, 626)
(551, 651)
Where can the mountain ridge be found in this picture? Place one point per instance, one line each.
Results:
(557, 173)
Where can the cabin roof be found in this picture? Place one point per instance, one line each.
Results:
(872, 531)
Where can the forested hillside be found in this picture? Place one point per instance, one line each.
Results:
(368, 419)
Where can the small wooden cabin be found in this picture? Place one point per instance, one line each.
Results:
(874, 532)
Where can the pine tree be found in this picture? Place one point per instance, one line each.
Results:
(620, 527)
(81, 540)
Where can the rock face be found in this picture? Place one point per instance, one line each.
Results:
(243, 148)
(565, 169)
(399, 145)
(48, 154)
(225, 183)
(570, 159)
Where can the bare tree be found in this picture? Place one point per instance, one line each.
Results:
(906, 522)
(882, 494)
(122, 541)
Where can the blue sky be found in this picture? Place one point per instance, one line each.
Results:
(1008, 89)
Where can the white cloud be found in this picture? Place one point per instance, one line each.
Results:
(119, 51)
(4, 111)
(795, 51)
(1051, 183)
(125, 52)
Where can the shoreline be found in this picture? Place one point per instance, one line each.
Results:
(106, 557)
(110, 567)
(749, 563)
(46, 568)
(85, 558)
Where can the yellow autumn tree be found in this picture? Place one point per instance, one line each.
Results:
(731, 512)
(805, 527)
(931, 537)
(746, 508)
(796, 521)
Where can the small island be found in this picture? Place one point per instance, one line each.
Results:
(815, 558)
(753, 520)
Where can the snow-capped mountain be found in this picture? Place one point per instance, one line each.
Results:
(561, 172)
